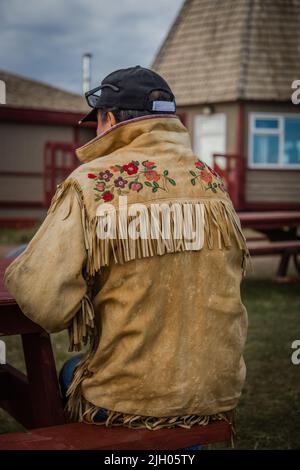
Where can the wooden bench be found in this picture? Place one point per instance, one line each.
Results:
(285, 248)
(79, 436)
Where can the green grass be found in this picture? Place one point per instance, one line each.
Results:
(13, 236)
(268, 416)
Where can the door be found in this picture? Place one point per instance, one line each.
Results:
(210, 137)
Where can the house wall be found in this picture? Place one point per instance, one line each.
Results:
(231, 110)
(22, 150)
(268, 186)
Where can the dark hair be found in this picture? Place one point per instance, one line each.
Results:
(126, 114)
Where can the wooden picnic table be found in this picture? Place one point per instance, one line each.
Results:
(33, 399)
(271, 220)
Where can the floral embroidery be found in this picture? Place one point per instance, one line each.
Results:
(134, 176)
(205, 174)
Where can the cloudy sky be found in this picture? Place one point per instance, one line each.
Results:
(45, 39)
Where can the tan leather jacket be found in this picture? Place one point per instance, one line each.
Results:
(165, 324)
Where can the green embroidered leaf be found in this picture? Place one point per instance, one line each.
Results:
(147, 183)
(193, 173)
(154, 190)
(165, 173)
(172, 181)
(155, 184)
(193, 181)
(209, 185)
(136, 163)
(122, 170)
(213, 190)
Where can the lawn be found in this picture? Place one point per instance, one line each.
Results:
(268, 416)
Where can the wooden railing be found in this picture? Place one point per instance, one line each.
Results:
(59, 161)
(232, 175)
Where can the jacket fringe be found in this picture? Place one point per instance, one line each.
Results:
(221, 224)
(86, 413)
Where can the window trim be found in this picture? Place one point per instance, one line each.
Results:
(261, 131)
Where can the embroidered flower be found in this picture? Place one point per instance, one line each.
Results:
(120, 182)
(152, 175)
(107, 196)
(100, 186)
(200, 165)
(148, 164)
(205, 176)
(114, 168)
(213, 171)
(131, 168)
(135, 186)
(105, 175)
(138, 177)
(208, 176)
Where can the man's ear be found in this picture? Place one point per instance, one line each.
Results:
(111, 118)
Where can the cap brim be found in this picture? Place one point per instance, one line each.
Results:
(90, 117)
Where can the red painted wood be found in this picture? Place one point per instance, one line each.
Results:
(273, 248)
(17, 223)
(43, 405)
(56, 166)
(78, 436)
(271, 206)
(21, 174)
(267, 220)
(42, 380)
(21, 204)
(37, 116)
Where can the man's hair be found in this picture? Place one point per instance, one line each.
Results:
(126, 114)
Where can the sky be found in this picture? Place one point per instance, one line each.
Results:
(45, 39)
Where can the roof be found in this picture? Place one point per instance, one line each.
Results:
(225, 50)
(22, 92)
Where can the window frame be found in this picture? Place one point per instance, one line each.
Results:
(261, 131)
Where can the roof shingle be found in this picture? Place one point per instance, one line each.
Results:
(224, 50)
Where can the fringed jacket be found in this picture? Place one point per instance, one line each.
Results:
(163, 319)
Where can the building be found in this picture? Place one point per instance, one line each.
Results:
(231, 65)
(38, 133)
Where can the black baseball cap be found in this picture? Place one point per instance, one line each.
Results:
(129, 89)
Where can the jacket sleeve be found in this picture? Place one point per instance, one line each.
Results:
(47, 278)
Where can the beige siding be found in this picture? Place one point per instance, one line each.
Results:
(23, 189)
(22, 149)
(273, 186)
(22, 145)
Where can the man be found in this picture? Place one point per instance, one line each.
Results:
(142, 254)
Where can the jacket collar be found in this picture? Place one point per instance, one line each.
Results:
(156, 128)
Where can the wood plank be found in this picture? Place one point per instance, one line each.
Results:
(79, 436)
(42, 379)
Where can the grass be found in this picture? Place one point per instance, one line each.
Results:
(268, 416)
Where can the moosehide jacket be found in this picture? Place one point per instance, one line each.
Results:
(162, 319)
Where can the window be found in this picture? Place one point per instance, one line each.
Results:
(274, 141)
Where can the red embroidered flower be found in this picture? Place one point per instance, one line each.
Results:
(200, 165)
(152, 175)
(131, 168)
(108, 196)
(205, 176)
(213, 171)
(148, 164)
(92, 176)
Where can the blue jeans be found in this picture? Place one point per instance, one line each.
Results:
(65, 378)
